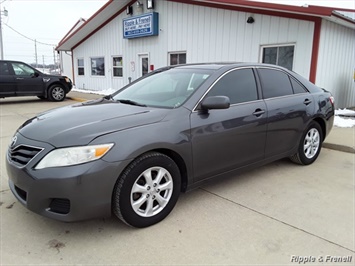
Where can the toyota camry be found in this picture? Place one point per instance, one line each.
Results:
(133, 152)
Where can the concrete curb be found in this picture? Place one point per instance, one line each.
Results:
(338, 147)
(77, 99)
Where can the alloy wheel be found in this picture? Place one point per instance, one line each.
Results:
(311, 143)
(151, 191)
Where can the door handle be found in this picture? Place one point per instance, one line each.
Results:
(19, 78)
(258, 112)
(307, 101)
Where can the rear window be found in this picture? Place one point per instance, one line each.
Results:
(274, 83)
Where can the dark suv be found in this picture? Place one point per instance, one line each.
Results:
(20, 79)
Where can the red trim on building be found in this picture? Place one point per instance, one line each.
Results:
(104, 24)
(72, 66)
(344, 18)
(72, 28)
(248, 10)
(311, 10)
(91, 18)
(315, 49)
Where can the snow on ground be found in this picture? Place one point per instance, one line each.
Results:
(344, 118)
(103, 92)
(339, 120)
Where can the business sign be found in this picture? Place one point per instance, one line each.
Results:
(141, 26)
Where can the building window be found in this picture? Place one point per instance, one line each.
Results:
(117, 66)
(279, 55)
(98, 66)
(177, 58)
(81, 67)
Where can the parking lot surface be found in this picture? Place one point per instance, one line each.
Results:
(281, 213)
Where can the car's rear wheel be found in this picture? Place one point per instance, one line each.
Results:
(310, 145)
(147, 190)
(56, 93)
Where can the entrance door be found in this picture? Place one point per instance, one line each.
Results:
(143, 64)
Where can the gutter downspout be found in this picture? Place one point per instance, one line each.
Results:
(315, 49)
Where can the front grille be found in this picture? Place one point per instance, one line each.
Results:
(61, 206)
(23, 154)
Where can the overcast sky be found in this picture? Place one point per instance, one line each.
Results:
(48, 21)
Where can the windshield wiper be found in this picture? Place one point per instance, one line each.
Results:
(130, 102)
(108, 97)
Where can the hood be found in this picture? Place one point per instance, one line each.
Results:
(44, 75)
(79, 124)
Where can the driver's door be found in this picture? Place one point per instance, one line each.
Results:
(27, 80)
(224, 140)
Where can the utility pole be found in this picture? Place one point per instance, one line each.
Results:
(1, 42)
(43, 62)
(36, 53)
(55, 65)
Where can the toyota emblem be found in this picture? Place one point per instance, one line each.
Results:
(13, 141)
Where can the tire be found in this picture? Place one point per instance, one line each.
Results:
(139, 198)
(56, 93)
(310, 145)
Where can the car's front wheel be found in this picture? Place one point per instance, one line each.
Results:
(147, 190)
(309, 146)
(56, 93)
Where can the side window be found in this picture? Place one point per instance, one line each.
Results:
(81, 71)
(22, 69)
(4, 69)
(274, 83)
(297, 87)
(238, 85)
(117, 66)
(177, 58)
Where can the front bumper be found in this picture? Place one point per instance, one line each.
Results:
(67, 194)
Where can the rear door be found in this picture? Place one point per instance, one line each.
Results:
(289, 108)
(223, 140)
(28, 81)
(7, 82)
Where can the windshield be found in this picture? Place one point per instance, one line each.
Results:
(170, 88)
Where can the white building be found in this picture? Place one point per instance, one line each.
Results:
(125, 39)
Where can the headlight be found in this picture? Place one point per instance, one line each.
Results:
(67, 80)
(73, 156)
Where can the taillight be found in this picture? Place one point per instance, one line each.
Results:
(331, 99)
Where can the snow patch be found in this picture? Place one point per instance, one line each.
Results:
(102, 92)
(344, 118)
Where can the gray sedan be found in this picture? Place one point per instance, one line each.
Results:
(133, 152)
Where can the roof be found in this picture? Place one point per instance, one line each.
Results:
(112, 8)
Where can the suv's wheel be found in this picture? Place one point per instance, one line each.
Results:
(147, 190)
(310, 145)
(56, 93)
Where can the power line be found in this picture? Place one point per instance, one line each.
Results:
(27, 37)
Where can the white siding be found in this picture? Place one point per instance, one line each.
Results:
(206, 34)
(336, 63)
(66, 64)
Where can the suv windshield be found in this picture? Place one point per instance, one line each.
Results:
(169, 88)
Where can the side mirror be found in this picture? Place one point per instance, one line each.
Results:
(35, 75)
(214, 102)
